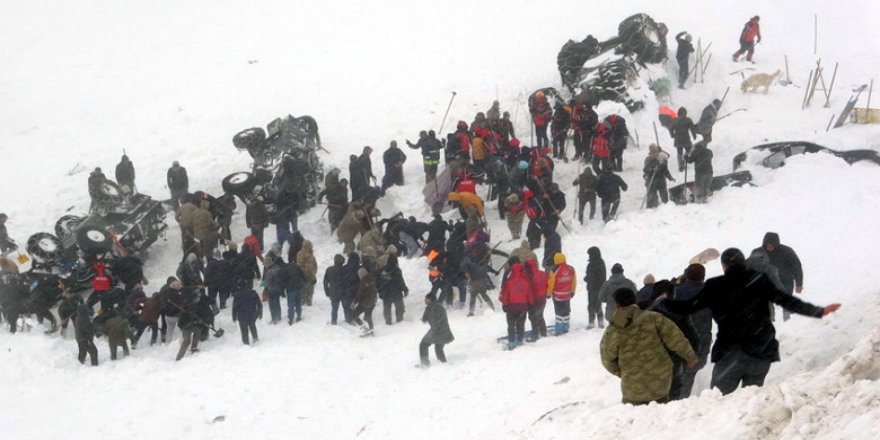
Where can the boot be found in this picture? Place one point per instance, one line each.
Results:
(601, 324)
(591, 325)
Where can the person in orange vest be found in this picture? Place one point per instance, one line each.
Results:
(538, 281)
(479, 145)
(562, 284)
(516, 299)
(750, 35)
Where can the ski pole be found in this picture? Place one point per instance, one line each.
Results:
(443, 122)
(648, 192)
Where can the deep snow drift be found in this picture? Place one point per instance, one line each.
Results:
(174, 81)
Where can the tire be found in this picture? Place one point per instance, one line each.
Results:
(94, 240)
(108, 193)
(44, 247)
(239, 183)
(65, 225)
(642, 36)
(251, 138)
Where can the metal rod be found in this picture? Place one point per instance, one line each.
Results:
(807, 90)
(868, 108)
(829, 123)
(831, 87)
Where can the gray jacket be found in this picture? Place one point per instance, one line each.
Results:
(616, 281)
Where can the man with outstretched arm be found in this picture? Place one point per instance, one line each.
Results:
(746, 344)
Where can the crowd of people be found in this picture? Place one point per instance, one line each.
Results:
(672, 315)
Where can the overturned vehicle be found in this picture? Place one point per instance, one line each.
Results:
(773, 155)
(120, 228)
(284, 159)
(594, 70)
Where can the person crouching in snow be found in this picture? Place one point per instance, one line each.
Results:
(247, 308)
(439, 334)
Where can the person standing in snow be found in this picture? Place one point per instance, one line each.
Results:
(85, 335)
(595, 279)
(118, 331)
(750, 35)
(515, 214)
(682, 130)
(393, 158)
(392, 289)
(541, 115)
(682, 55)
(707, 120)
(430, 147)
(365, 301)
(478, 276)
(539, 283)
(333, 286)
(615, 282)
(247, 309)
(701, 157)
(562, 285)
(587, 184)
(125, 173)
(746, 344)
(656, 173)
(636, 347)
(438, 334)
(257, 219)
(178, 183)
(694, 280)
(787, 264)
(516, 299)
(306, 261)
(608, 189)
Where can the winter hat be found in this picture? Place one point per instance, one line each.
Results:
(771, 238)
(688, 38)
(695, 272)
(733, 257)
(617, 268)
(649, 279)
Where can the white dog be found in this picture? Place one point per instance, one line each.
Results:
(758, 80)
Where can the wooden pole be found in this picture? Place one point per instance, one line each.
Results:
(830, 88)
(705, 66)
(787, 77)
(868, 108)
(807, 90)
(656, 136)
(815, 34)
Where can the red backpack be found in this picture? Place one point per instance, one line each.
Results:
(101, 282)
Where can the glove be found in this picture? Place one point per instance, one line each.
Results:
(405, 292)
(353, 306)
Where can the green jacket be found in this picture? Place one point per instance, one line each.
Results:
(636, 346)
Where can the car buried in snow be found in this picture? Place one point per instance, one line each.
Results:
(684, 193)
(285, 158)
(773, 155)
(122, 223)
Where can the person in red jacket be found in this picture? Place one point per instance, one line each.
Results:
(601, 150)
(460, 142)
(254, 242)
(516, 299)
(538, 285)
(750, 35)
(541, 115)
(562, 284)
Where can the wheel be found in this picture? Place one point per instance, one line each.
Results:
(108, 193)
(65, 225)
(94, 240)
(239, 183)
(251, 138)
(642, 36)
(44, 247)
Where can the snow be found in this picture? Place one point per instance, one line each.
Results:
(85, 79)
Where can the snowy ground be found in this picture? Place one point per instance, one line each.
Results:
(169, 80)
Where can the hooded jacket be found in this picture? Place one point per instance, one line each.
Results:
(333, 278)
(636, 346)
(596, 273)
(616, 281)
(516, 295)
(305, 259)
(391, 282)
(538, 281)
(786, 261)
(367, 294)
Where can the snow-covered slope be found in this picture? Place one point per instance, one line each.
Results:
(175, 80)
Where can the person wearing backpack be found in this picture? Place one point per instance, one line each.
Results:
(750, 35)
(601, 150)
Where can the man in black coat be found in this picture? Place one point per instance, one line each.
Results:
(439, 334)
(247, 309)
(707, 120)
(608, 190)
(683, 131)
(695, 276)
(682, 55)
(746, 344)
(85, 335)
(595, 278)
(437, 230)
(333, 286)
(6, 244)
(350, 284)
(701, 157)
(392, 290)
(787, 264)
(393, 158)
(125, 173)
(178, 183)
